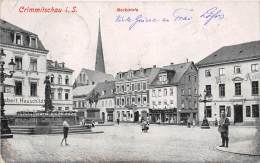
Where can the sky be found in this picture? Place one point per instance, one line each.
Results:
(188, 33)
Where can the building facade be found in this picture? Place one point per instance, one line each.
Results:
(25, 91)
(173, 94)
(61, 85)
(131, 94)
(230, 77)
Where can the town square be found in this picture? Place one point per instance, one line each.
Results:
(123, 82)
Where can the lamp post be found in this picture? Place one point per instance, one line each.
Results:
(5, 130)
(205, 123)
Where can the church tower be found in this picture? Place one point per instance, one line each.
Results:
(100, 65)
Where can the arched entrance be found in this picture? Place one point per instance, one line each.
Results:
(136, 116)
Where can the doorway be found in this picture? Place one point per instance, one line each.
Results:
(238, 113)
(103, 116)
(136, 116)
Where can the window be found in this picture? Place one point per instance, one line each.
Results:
(222, 108)
(254, 67)
(138, 86)
(195, 104)
(237, 89)
(122, 101)
(122, 88)
(133, 87)
(144, 100)
(33, 42)
(60, 79)
(33, 89)
(154, 103)
(207, 73)
(196, 91)
(67, 80)
(118, 101)
(133, 100)
(208, 90)
(248, 111)
(52, 78)
(52, 94)
(182, 104)
(171, 91)
(139, 100)
(165, 92)
(67, 108)
(117, 89)
(127, 87)
(33, 64)
(182, 92)
(153, 93)
(19, 63)
(222, 90)
(221, 71)
(144, 86)
(18, 39)
(189, 91)
(255, 110)
(59, 108)
(165, 102)
(60, 96)
(189, 77)
(228, 111)
(159, 92)
(195, 78)
(208, 112)
(74, 104)
(66, 96)
(18, 88)
(171, 101)
(163, 77)
(159, 103)
(255, 88)
(237, 70)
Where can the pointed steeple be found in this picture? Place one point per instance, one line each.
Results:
(100, 65)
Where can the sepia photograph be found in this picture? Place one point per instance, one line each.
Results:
(129, 81)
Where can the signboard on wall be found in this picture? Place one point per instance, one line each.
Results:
(24, 101)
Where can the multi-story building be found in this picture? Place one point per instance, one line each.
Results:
(173, 94)
(131, 94)
(61, 85)
(230, 77)
(25, 91)
(103, 110)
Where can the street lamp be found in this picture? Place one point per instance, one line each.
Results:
(5, 130)
(205, 123)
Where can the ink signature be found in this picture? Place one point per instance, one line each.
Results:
(178, 15)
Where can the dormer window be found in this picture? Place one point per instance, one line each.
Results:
(120, 75)
(163, 77)
(33, 42)
(18, 38)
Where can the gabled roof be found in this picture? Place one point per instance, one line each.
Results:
(98, 76)
(232, 53)
(83, 91)
(7, 31)
(177, 71)
(107, 87)
(51, 65)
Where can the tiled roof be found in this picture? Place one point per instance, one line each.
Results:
(177, 71)
(233, 53)
(51, 65)
(107, 88)
(149, 73)
(7, 31)
(82, 90)
(98, 76)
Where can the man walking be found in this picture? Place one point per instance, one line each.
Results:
(223, 128)
(65, 132)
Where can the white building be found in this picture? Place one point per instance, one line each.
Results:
(231, 77)
(61, 85)
(25, 91)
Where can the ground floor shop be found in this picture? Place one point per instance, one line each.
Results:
(163, 116)
(132, 114)
(238, 111)
(186, 114)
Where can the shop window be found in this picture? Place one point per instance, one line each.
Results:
(67, 108)
(18, 88)
(18, 63)
(33, 89)
(255, 110)
(248, 111)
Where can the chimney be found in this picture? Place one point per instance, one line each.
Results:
(172, 63)
(187, 60)
(63, 64)
(154, 66)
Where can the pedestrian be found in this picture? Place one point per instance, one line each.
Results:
(193, 122)
(117, 121)
(93, 123)
(223, 128)
(65, 132)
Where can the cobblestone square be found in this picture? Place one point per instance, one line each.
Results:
(163, 143)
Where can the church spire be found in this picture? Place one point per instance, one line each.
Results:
(100, 65)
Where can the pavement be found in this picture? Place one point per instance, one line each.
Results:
(126, 142)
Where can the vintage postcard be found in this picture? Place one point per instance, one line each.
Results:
(129, 81)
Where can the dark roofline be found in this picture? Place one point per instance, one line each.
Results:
(45, 51)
